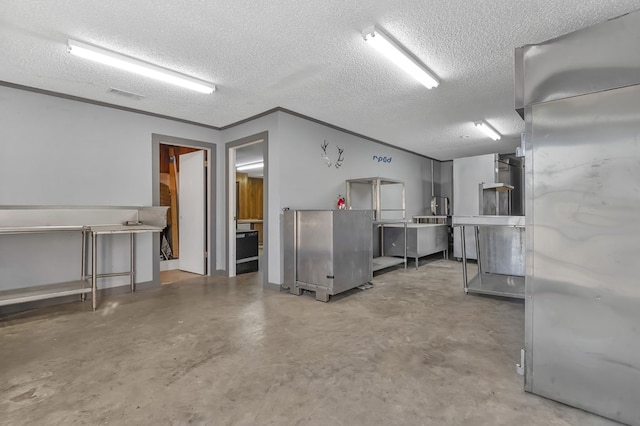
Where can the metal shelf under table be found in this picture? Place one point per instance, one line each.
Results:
(501, 262)
(47, 219)
(97, 230)
(383, 262)
(497, 285)
(41, 292)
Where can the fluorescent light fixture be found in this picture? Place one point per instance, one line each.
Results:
(488, 130)
(400, 56)
(250, 166)
(137, 66)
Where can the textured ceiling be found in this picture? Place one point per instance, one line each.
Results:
(305, 56)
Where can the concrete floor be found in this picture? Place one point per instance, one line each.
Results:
(412, 350)
(175, 276)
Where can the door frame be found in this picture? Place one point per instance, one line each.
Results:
(229, 208)
(211, 148)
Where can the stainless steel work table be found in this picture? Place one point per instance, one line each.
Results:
(111, 230)
(415, 240)
(30, 294)
(48, 291)
(500, 251)
(376, 183)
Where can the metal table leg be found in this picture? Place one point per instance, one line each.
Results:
(83, 273)
(94, 269)
(405, 243)
(477, 234)
(132, 258)
(464, 260)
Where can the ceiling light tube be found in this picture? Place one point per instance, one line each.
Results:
(250, 166)
(488, 130)
(400, 56)
(137, 66)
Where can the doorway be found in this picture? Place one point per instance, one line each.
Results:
(247, 206)
(184, 182)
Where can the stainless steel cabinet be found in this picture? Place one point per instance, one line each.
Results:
(327, 251)
(422, 239)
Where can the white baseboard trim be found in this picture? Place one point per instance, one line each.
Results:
(169, 265)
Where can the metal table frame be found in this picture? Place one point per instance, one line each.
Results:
(382, 261)
(512, 286)
(48, 291)
(112, 230)
(413, 251)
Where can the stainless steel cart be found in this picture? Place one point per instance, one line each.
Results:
(380, 258)
(327, 251)
(500, 242)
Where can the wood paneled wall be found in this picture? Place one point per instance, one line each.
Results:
(249, 197)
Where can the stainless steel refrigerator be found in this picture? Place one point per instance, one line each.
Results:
(580, 97)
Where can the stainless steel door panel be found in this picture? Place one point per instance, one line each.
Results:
(315, 240)
(352, 258)
(583, 263)
(422, 239)
(289, 248)
(502, 250)
(431, 239)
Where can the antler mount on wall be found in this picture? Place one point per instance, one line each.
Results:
(325, 156)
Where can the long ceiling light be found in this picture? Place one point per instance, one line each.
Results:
(400, 56)
(488, 130)
(137, 66)
(250, 166)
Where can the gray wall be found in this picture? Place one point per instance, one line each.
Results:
(62, 152)
(300, 179)
(268, 123)
(306, 182)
